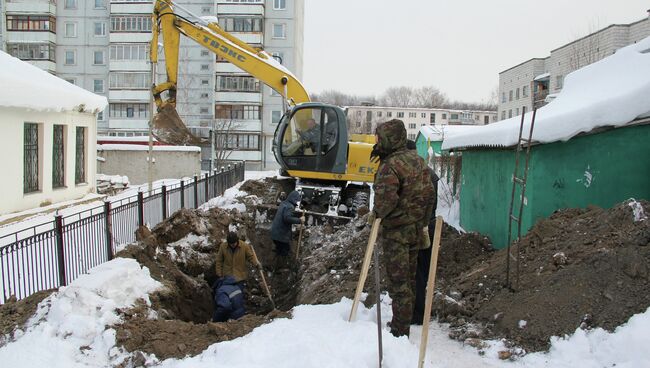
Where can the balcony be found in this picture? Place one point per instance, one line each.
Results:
(144, 7)
(31, 7)
(252, 97)
(241, 8)
(129, 95)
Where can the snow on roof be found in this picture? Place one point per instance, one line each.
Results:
(438, 132)
(30, 87)
(140, 147)
(612, 92)
(542, 76)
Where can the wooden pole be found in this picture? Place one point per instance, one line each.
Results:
(430, 286)
(266, 286)
(364, 268)
(302, 226)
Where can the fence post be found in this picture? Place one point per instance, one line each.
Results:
(109, 230)
(182, 193)
(58, 229)
(207, 187)
(164, 201)
(243, 171)
(222, 189)
(196, 192)
(141, 208)
(215, 189)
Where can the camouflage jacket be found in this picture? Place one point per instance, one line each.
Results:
(404, 194)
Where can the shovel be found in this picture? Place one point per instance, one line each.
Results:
(266, 286)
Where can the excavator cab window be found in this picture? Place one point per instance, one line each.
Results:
(303, 135)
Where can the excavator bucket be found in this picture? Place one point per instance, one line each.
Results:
(169, 128)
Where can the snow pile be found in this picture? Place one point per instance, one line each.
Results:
(637, 210)
(36, 89)
(69, 327)
(229, 200)
(611, 92)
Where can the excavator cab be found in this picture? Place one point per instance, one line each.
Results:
(312, 137)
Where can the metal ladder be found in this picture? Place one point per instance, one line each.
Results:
(521, 181)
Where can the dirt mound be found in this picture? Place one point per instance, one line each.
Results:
(578, 268)
(268, 189)
(15, 313)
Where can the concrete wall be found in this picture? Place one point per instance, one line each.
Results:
(12, 151)
(132, 163)
(599, 169)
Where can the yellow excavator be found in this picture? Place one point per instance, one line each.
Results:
(311, 141)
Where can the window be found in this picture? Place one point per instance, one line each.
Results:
(517, 94)
(279, 30)
(58, 157)
(486, 119)
(524, 91)
(241, 24)
(204, 95)
(238, 112)
(30, 168)
(559, 80)
(70, 57)
(100, 4)
(100, 29)
(444, 116)
(204, 110)
(432, 118)
(80, 156)
(234, 141)
(70, 4)
(400, 114)
(98, 58)
(510, 95)
(129, 51)
(368, 116)
(279, 4)
(237, 83)
(379, 114)
(205, 53)
(205, 82)
(98, 85)
(71, 81)
(129, 80)
(130, 23)
(510, 113)
(128, 111)
(413, 114)
(32, 51)
(206, 10)
(70, 29)
(503, 97)
(412, 126)
(276, 115)
(205, 66)
(31, 23)
(517, 111)
(100, 116)
(453, 117)
(389, 114)
(503, 115)
(423, 115)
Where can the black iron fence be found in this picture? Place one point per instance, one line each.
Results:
(53, 254)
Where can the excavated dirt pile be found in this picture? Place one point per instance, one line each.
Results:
(579, 268)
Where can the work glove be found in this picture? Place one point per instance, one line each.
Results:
(371, 217)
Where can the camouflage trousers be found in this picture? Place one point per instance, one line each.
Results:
(400, 264)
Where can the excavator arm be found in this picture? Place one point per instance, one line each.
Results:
(168, 25)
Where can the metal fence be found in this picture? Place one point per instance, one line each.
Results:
(55, 253)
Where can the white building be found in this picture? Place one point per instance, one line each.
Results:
(47, 137)
(538, 80)
(364, 119)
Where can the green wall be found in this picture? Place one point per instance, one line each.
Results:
(601, 169)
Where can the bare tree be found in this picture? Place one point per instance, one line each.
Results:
(223, 138)
(587, 50)
(397, 97)
(428, 97)
(338, 98)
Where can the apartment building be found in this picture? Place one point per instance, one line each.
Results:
(539, 80)
(364, 119)
(103, 46)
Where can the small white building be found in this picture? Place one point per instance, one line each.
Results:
(47, 137)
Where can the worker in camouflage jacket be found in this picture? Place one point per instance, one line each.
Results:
(403, 200)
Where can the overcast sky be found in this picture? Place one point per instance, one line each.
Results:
(459, 46)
